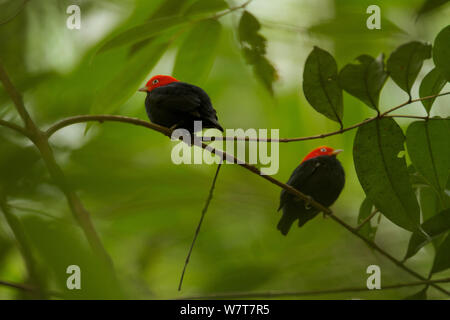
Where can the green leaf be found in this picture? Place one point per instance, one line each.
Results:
(143, 31)
(254, 49)
(131, 75)
(416, 178)
(364, 80)
(367, 230)
(383, 174)
(433, 227)
(320, 84)
(405, 63)
(431, 85)
(441, 52)
(442, 257)
(429, 202)
(196, 55)
(427, 143)
(206, 7)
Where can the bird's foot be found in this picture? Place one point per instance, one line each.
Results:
(308, 202)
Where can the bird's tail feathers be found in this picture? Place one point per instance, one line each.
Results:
(305, 217)
(285, 223)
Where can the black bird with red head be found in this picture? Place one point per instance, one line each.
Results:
(175, 104)
(320, 176)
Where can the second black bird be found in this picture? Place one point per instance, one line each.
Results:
(319, 176)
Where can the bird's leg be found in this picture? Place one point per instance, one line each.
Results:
(173, 128)
(308, 205)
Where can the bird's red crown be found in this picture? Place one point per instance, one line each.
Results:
(158, 81)
(322, 151)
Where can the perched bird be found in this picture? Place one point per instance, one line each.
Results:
(320, 176)
(175, 104)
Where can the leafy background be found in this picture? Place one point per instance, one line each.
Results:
(144, 207)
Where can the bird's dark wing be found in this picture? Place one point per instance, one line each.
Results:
(186, 98)
(299, 177)
(176, 97)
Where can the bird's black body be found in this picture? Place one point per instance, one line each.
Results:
(322, 178)
(180, 104)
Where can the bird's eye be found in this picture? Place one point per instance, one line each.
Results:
(323, 150)
(156, 81)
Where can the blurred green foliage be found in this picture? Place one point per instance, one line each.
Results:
(144, 207)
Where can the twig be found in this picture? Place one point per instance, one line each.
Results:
(102, 118)
(324, 135)
(366, 220)
(197, 231)
(15, 127)
(105, 117)
(274, 294)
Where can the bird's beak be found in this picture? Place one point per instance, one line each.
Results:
(144, 89)
(336, 152)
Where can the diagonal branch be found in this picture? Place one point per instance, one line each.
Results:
(253, 169)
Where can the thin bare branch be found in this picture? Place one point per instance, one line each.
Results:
(197, 231)
(366, 220)
(105, 117)
(101, 118)
(324, 135)
(14, 127)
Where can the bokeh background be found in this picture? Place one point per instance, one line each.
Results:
(144, 207)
